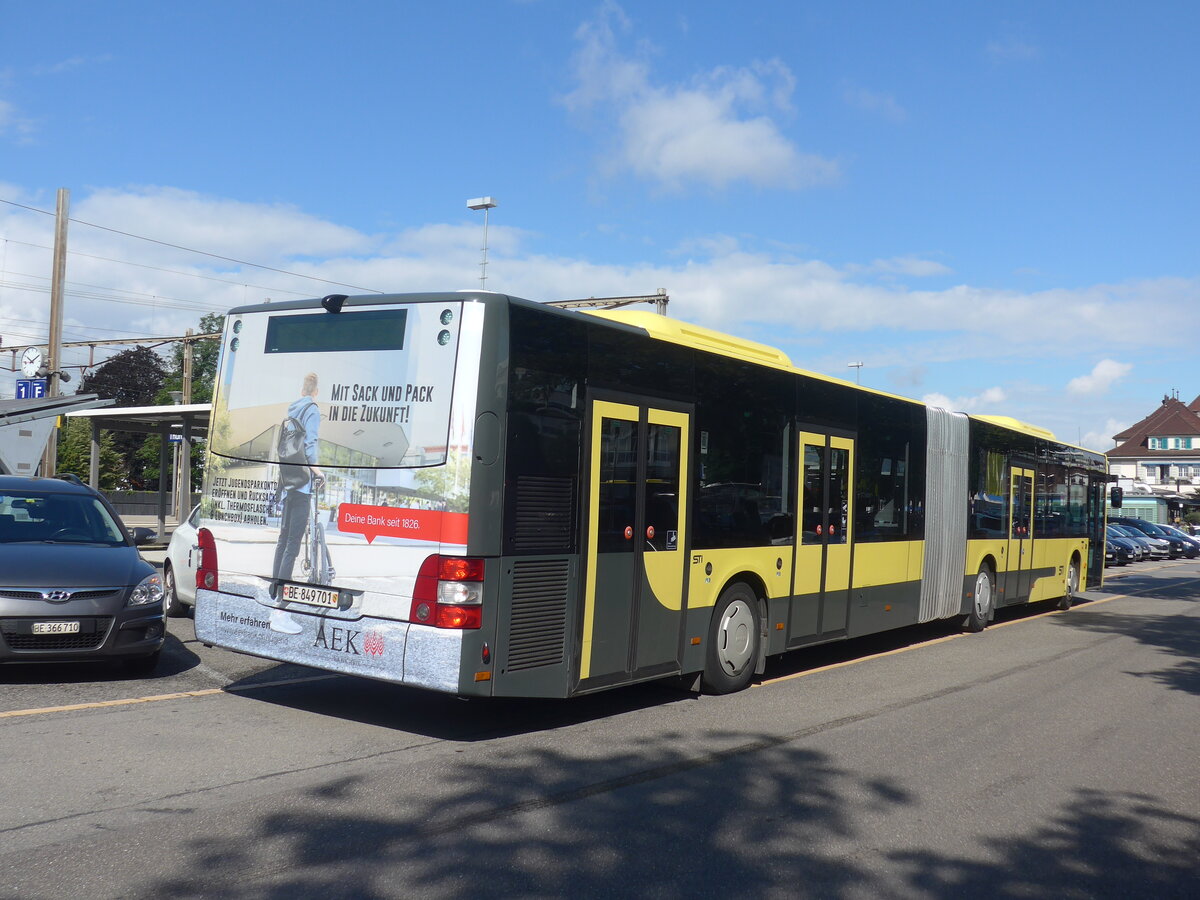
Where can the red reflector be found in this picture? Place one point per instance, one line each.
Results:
(453, 568)
(206, 571)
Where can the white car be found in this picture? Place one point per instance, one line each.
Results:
(179, 568)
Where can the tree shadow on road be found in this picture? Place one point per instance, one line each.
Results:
(1175, 634)
(1100, 844)
(744, 816)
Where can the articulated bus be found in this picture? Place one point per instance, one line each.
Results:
(476, 494)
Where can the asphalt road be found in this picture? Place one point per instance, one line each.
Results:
(1051, 755)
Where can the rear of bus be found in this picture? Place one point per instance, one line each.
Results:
(352, 559)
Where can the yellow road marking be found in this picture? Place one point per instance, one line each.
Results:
(100, 704)
(180, 695)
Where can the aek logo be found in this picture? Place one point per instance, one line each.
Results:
(373, 643)
(337, 640)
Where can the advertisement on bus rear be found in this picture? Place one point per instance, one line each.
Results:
(340, 454)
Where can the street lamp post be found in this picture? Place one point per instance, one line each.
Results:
(857, 367)
(484, 203)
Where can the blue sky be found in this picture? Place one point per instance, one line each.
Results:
(992, 206)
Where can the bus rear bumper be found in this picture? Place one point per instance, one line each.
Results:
(385, 649)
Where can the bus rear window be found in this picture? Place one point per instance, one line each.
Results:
(367, 330)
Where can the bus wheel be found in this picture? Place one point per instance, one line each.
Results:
(983, 600)
(1068, 599)
(733, 641)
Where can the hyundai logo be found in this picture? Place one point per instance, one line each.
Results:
(56, 596)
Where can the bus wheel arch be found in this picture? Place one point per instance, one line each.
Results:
(734, 650)
(982, 608)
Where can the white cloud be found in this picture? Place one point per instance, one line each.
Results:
(1102, 377)
(877, 103)
(716, 130)
(255, 231)
(912, 266)
(1011, 50)
(1101, 439)
(826, 315)
(14, 125)
(979, 403)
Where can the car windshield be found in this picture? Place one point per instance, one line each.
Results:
(36, 517)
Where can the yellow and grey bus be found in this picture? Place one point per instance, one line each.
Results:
(477, 494)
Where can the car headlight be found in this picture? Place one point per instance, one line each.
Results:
(149, 591)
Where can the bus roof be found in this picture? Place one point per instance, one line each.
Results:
(689, 335)
(700, 338)
(696, 336)
(1017, 425)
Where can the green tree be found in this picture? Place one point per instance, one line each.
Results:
(75, 453)
(205, 355)
(131, 378)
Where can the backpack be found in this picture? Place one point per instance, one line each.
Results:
(289, 450)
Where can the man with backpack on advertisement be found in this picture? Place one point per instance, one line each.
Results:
(298, 474)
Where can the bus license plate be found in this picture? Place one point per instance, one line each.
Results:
(55, 627)
(312, 596)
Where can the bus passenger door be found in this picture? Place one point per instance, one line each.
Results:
(1017, 580)
(823, 555)
(635, 541)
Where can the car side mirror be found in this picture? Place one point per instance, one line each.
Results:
(142, 535)
(1116, 496)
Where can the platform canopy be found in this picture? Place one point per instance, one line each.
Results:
(179, 422)
(25, 426)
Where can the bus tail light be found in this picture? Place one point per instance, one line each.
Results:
(448, 593)
(206, 572)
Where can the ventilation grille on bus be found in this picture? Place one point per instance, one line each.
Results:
(545, 521)
(537, 635)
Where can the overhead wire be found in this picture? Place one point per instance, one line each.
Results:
(240, 262)
(125, 262)
(150, 300)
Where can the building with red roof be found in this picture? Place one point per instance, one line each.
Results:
(1161, 453)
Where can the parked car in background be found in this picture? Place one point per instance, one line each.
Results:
(72, 583)
(1120, 550)
(1151, 548)
(1117, 552)
(1176, 545)
(1191, 546)
(179, 568)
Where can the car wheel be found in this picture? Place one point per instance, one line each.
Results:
(982, 601)
(141, 666)
(172, 605)
(734, 637)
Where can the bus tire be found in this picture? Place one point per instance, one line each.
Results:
(734, 637)
(983, 600)
(1067, 600)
